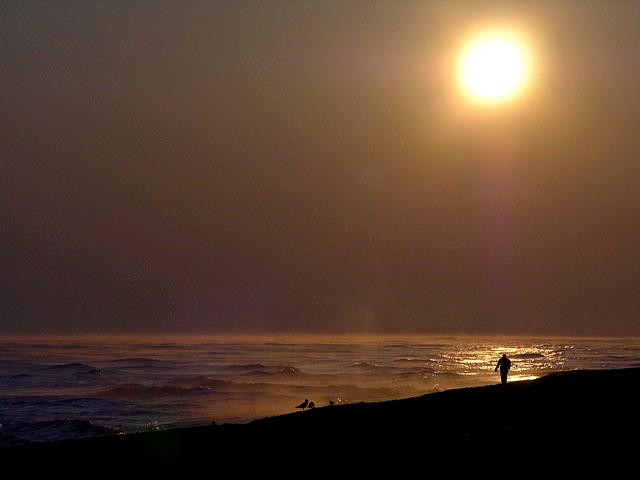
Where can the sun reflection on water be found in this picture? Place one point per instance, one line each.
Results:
(519, 378)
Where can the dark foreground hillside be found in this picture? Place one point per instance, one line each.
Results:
(575, 418)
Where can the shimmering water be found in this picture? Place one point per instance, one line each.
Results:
(74, 387)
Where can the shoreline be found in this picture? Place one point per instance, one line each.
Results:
(586, 409)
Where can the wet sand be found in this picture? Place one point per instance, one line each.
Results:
(575, 418)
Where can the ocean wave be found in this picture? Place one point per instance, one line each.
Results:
(276, 371)
(138, 391)
(143, 364)
(31, 406)
(195, 386)
(66, 375)
(52, 430)
(527, 355)
(246, 366)
(390, 370)
(140, 361)
(17, 378)
(451, 374)
(163, 346)
(365, 365)
(414, 360)
(74, 368)
(260, 391)
(419, 373)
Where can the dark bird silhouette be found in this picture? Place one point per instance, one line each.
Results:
(304, 404)
(311, 404)
(331, 402)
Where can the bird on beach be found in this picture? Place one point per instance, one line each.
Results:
(304, 404)
(311, 405)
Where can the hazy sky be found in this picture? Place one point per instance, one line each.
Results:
(313, 166)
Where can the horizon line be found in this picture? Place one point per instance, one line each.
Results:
(263, 334)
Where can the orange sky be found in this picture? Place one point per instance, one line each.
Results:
(313, 166)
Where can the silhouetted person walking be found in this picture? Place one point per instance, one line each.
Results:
(504, 364)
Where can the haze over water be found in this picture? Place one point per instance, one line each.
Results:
(83, 386)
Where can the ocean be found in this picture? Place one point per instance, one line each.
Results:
(75, 387)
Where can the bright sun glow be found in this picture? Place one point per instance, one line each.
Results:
(493, 68)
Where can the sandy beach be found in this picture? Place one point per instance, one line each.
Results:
(560, 416)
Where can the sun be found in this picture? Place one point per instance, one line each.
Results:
(493, 67)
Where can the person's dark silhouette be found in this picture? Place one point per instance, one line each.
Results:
(504, 364)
